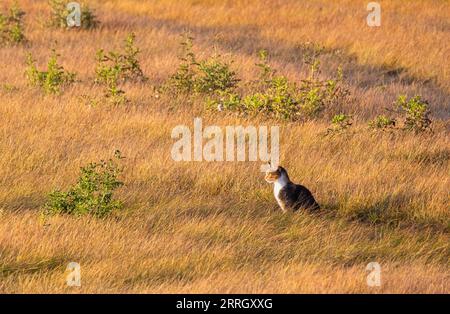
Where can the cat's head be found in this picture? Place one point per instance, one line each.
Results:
(273, 175)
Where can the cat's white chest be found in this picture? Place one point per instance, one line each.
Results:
(278, 185)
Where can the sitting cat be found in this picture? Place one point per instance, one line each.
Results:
(290, 196)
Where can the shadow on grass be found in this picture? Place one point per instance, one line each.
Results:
(392, 211)
(32, 201)
(45, 265)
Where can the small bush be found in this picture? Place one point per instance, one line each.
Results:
(209, 76)
(183, 79)
(59, 15)
(266, 72)
(108, 73)
(115, 67)
(316, 95)
(282, 99)
(52, 80)
(93, 194)
(11, 26)
(224, 101)
(278, 100)
(130, 65)
(382, 123)
(340, 123)
(88, 18)
(215, 75)
(416, 113)
(125, 64)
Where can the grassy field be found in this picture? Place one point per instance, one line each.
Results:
(216, 227)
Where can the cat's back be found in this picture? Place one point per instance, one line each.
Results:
(298, 196)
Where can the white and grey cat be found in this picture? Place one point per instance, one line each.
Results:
(290, 196)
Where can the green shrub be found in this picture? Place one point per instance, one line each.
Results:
(266, 72)
(88, 18)
(93, 194)
(280, 98)
(382, 123)
(108, 73)
(311, 51)
(215, 75)
(125, 64)
(316, 96)
(276, 101)
(224, 101)
(11, 26)
(209, 76)
(52, 80)
(183, 79)
(115, 67)
(110, 79)
(340, 123)
(416, 113)
(59, 15)
(130, 65)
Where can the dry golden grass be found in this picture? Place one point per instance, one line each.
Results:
(215, 227)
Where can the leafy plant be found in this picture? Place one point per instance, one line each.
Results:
(110, 78)
(266, 72)
(280, 98)
(416, 113)
(88, 18)
(215, 75)
(115, 67)
(316, 95)
(11, 26)
(340, 123)
(93, 193)
(277, 101)
(209, 76)
(225, 101)
(130, 65)
(125, 64)
(184, 78)
(59, 14)
(311, 51)
(108, 73)
(382, 123)
(51, 80)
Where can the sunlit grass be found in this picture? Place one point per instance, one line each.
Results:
(215, 227)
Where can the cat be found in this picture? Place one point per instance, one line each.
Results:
(290, 196)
